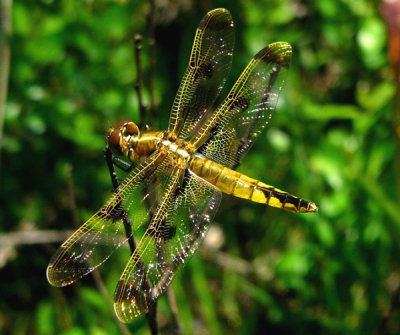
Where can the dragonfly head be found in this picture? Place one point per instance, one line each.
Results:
(123, 138)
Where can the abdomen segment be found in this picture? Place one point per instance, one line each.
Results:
(239, 185)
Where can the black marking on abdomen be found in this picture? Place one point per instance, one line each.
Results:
(284, 198)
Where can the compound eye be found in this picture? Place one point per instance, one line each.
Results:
(122, 124)
(114, 139)
(131, 129)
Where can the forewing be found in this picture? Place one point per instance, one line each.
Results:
(243, 115)
(172, 237)
(95, 241)
(209, 65)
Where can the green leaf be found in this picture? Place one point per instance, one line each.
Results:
(375, 97)
(45, 316)
(371, 39)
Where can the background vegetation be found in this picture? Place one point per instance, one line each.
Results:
(332, 141)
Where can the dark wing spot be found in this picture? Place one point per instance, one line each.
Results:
(179, 190)
(164, 231)
(205, 70)
(116, 213)
(214, 130)
(241, 102)
(279, 53)
(177, 193)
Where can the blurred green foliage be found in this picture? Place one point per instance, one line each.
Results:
(330, 141)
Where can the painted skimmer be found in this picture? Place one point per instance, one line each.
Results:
(183, 170)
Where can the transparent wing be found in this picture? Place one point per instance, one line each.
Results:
(243, 115)
(174, 233)
(209, 65)
(95, 241)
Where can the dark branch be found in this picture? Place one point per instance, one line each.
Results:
(139, 80)
(152, 313)
(153, 63)
(113, 175)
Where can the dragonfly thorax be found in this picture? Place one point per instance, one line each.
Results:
(126, 140)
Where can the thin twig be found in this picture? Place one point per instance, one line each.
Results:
(139, 80)
(396, 124)
(5, 51)
(153, 63)
(100, 285)
(71, 197)
(174, 310)
(25, 237)
(127, 223)
(394, 304)
(138, 87)
(228, 262)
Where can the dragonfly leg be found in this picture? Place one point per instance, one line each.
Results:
(122, 165)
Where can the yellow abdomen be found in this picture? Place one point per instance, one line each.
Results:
(239, 185)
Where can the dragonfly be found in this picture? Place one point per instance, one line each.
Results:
(183, 171)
